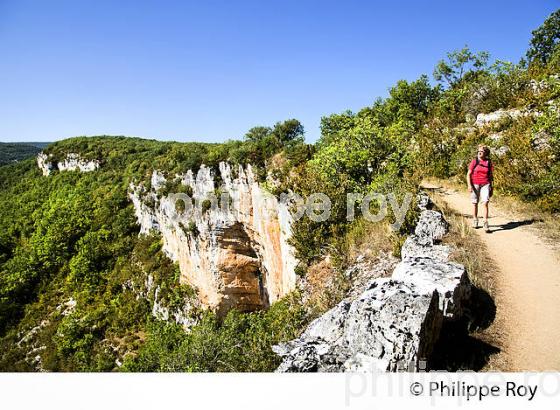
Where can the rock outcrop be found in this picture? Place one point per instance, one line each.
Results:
(395, 323)
(72, 162)
(390, 326)
(499, 115)
(449, 279)
(235, 255)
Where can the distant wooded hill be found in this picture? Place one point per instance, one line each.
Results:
(16, 151)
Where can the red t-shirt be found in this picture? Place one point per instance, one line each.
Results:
(480, 173)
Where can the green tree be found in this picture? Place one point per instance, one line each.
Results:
(257, 134)
(545, 39)
(288, 130)
(460, 64)
(410, 101)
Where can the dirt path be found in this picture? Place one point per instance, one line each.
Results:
(528, 279)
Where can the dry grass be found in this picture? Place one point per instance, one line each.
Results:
(325, 287)
(468, 249)
(325, 281)
(367, 239)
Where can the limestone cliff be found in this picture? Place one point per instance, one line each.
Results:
(235, 255)
(72, 162)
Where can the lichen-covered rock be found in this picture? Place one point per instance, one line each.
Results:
(316, 349)
(398, 325)
(449, 279)
(423, 202)
(431, 227)
(414, 247)
(391, 326)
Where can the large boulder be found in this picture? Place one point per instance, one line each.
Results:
(391, 326)
(449, 279)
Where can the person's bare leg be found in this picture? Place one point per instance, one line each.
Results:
(475, 216)
(486, 226)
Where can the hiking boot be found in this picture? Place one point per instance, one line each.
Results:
(475, 223)
(486, 227)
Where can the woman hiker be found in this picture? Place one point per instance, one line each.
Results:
(479, 180)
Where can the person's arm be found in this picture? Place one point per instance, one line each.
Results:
(469, 175)
(491, 178)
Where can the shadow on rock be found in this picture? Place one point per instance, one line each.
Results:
(456, 349)
(480, 310)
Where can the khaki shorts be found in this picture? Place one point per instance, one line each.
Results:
(480, 193)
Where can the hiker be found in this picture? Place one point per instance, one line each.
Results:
(479, 180)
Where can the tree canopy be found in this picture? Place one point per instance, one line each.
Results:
(545, 40)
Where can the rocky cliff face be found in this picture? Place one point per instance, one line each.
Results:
(235, 255)
(396, 322)
(72, 162)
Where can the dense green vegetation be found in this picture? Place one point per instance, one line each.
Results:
(13, 152)
(72, 237)
(238, 343)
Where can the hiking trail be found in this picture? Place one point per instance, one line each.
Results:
(528, 285)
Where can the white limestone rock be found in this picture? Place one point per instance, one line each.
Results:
(236, 256)
(72, 162)
(499, 115)
(449, 279)
(414, 247)
(46, 166)
(431, 227)
(391, 326)
(395, 323)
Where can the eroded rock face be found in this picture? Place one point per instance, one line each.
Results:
(415, 247)
(395, 323)
(72, 162)
(431, 227)
(44, 164)
(389, 327)
(235, 256)
(449, 279)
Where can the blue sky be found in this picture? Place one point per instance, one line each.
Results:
(210, 70)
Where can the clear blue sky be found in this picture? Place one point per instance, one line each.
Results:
(210, 70)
